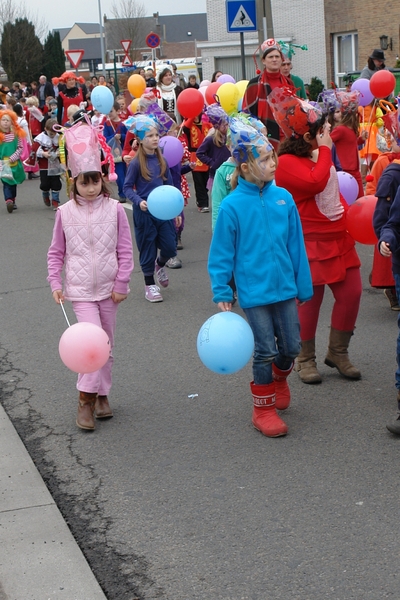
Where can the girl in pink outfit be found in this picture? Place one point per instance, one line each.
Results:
(92, 243)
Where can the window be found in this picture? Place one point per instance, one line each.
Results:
(345, 55)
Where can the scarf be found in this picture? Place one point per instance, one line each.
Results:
(255, 101)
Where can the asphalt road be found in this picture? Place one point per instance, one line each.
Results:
(180, 498)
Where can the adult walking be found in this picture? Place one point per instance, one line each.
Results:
(376, 62)
(44, 90)
(73, 93)
(169, 93)
(259, 88)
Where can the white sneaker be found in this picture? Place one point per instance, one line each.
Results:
(152, 293)
(174, 263)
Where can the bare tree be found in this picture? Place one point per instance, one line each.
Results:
(128, 25)
(10, 10)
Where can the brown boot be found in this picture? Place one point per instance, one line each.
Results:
(338, 357)
(305, 363)
(84, 418)
(102, 409)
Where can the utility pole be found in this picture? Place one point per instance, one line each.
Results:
(264, 19)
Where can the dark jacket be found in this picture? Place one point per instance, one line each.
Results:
(212, 155)
(387, 212)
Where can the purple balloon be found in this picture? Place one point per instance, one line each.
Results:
(348, 186)
(366, 96)
(171, 149)
(226, 79)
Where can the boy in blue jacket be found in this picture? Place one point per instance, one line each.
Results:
(258, 237)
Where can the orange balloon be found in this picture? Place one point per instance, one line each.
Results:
(136, 85)
(134, 105)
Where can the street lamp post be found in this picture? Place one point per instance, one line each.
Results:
(103, 57)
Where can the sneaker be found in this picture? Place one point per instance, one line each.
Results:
(55, 204)
(204, 209)
(161, 275)
(179, 245)
(391, 296)
(174, 263)
(9, 206)
(47, 201)
(152, 293)
(15, 207)
(122, 199)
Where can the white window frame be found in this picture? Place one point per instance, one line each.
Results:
(354, 58)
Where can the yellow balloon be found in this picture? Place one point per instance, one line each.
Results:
(134, 105)
(136, 85)
(241, 86)
(228, 96)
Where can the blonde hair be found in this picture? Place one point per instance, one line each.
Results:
(248, 159)
(141, 156)
(219, 138)
(32, 101)
(71, 110)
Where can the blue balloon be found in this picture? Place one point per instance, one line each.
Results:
(102, 99)
(165, 202)
(225, 343)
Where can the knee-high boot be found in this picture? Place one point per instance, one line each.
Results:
(265, 418)
(337, 356)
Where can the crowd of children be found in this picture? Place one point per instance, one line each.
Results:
(277, 270)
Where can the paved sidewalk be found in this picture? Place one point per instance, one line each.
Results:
(39, 558)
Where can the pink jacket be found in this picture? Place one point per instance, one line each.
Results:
(93, 242)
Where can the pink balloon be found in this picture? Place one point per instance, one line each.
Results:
(226, 79)
(84, 348)
(348, 186)
(171, 149)
(202, 91)
(205, 83)
(366, 96)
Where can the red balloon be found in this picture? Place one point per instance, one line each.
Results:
(211, 91)
(359, 220)
(382, 83)
(190, 103)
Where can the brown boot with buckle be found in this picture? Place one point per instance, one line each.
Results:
(84, 418)
(102, 408)
(337, 356)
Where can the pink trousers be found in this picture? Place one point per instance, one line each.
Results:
(103, 314)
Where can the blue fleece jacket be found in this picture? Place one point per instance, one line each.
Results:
(142, 186)
(258, 237)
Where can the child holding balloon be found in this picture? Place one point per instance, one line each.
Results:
(258, 238)
(147, 171)
(92, 243)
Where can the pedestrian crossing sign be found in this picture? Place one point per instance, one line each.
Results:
(241, 15)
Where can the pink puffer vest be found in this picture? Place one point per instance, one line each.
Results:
(91, 265)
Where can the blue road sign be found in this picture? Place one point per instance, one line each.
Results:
(241, 15)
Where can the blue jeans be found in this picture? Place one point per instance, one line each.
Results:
(276, 330)
(397, 282)
(10, 191)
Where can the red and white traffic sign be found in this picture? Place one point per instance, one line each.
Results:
(127, 61)
(126, 44)
(74, 57)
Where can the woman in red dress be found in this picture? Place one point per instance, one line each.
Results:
(72, 93)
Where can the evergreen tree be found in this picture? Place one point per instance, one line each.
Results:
(53, 56)
(21, 51)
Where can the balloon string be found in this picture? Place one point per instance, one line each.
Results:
(65, 314)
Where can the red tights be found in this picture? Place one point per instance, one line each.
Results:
(347, 294)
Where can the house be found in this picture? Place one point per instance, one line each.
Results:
(83, 36)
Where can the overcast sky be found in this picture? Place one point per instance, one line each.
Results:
(65, 14)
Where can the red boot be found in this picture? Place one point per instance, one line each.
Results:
(265, 418)
(282, 390)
